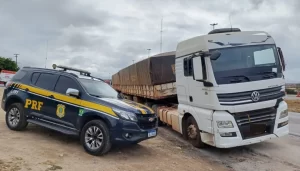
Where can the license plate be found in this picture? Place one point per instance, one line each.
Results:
(257, 129)
(151, 133)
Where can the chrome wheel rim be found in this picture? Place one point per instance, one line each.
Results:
(192, 131)
(93, 137)
(13, 116)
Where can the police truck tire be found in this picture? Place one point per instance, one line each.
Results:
(15, 117)
(193, 133)
(95, 138)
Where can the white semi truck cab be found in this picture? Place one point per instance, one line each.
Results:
(227, 88)
(230, 88)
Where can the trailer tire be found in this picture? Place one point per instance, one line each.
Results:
(193, 132)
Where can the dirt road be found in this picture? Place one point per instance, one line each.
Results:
(40, 149)
(293, 105)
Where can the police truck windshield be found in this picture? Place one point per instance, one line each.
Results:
(98, 88)
(247, 63)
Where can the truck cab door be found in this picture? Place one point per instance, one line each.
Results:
(199, 94)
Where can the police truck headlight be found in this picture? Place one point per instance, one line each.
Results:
(284, 114)
(224, 124)
(125, 115)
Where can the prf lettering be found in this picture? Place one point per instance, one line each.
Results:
(36, 105)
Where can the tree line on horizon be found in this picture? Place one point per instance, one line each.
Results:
(8, 64)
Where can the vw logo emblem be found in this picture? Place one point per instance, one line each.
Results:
(151, 119)
(255, 96)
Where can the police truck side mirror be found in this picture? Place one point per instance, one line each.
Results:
(72, 92)
(197, 66)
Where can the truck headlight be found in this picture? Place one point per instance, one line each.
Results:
(284, 113)
(126, 115)
(224, 124)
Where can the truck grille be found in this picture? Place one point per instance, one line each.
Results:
(256, 123)
(245, 97)
(144, 123)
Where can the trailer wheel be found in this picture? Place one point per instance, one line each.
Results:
(193, 132)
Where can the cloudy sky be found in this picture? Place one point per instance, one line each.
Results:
(104, 36)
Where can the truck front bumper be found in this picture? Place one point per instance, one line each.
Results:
(279, 128)
(130, 133)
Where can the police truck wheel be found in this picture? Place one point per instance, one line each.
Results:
(193, 133)
(15, 117)
(95, 138)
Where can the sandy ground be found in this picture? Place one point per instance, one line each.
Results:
(40, 149)
(293, 105)
(280, 154)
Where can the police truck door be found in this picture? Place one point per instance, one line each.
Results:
(67, 109)
(41, 102)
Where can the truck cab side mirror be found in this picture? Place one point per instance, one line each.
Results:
(215, 55)
(197, 66)
(281, 58)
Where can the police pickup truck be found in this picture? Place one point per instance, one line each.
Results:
(76, 104)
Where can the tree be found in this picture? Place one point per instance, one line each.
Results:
(8, 64)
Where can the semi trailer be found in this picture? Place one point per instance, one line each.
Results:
(224, 89)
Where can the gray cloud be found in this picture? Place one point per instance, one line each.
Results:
(105, 36)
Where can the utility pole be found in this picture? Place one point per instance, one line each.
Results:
(213, 25)
(161, 31)
(149, 52)
(16, 55)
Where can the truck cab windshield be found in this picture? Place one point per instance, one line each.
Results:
(98, 88)
(246, 63)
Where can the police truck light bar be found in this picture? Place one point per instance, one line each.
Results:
(65, 68)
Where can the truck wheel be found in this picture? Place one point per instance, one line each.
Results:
(95, 138)
(15, 117)
(193, 133)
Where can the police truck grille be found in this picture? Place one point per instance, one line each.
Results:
(250, 96)
(256, 122)
(144, 123)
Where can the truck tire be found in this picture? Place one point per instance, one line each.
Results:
(15, 117)
(193, 132)
(95, 138)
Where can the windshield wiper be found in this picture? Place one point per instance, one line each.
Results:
(238, 78)
(95, 95)
(269, 74)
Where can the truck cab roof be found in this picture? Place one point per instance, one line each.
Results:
(222, 39)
